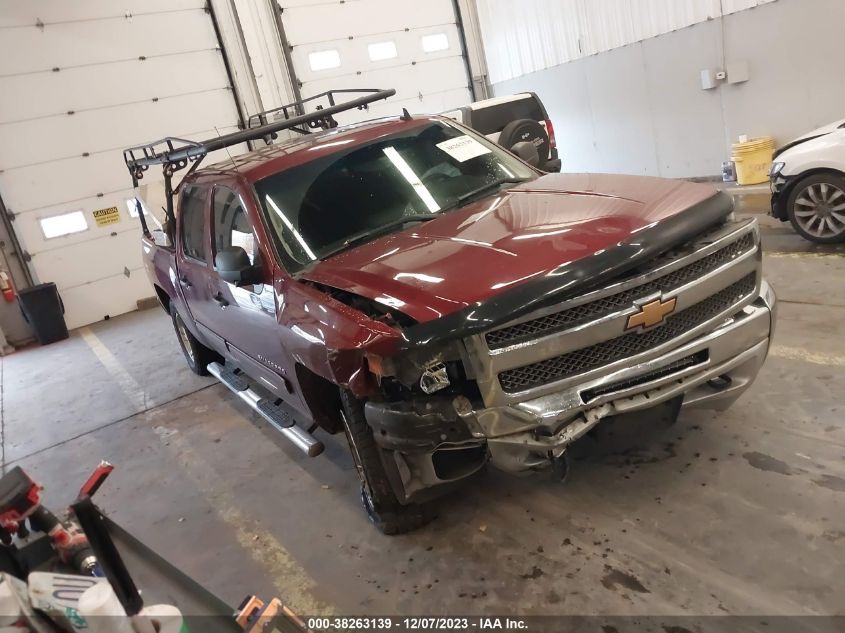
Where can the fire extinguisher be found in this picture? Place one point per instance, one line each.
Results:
(6, 286)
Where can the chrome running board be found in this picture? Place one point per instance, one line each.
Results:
(275, 413)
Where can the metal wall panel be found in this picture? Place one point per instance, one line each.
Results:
(687, 129)
(524, 37)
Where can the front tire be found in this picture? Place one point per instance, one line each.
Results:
(816, 208)
(381, 504)
(197, 355)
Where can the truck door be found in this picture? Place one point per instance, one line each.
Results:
(246, 317)
(193, 267)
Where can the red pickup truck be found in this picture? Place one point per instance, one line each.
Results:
(445, 304)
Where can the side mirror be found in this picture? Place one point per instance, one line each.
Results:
(527, 151)
(233, 265)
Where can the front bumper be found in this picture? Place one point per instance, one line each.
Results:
(780, 186)
(710, 371)
(725, 361)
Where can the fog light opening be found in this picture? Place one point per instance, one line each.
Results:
(454, 463)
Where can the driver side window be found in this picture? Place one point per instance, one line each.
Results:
(231, 223)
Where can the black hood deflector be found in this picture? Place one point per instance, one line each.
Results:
(568, 279)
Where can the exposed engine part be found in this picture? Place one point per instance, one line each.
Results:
(434, 378)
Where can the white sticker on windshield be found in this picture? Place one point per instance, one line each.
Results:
(462, 148)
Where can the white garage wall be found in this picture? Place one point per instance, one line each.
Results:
(83, 80)
(80, 82)
(340, 33)
(256, 23)
(531, 35)
(640, 108)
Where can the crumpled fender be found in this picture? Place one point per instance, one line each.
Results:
(331, 339)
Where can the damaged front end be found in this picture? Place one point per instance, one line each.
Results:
(408, 395)
(677, 315)
(522, 391)
(428, 446)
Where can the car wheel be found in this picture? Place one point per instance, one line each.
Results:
(197, 355)
(381, 504)
(816, 208)
(526, 131)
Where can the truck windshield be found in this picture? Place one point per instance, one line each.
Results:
(321, 207)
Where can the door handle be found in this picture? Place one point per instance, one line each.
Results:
(185, 282)
(220, 299)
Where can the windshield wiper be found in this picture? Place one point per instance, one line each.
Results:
(488, 187)
(366, 236)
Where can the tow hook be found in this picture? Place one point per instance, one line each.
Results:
(720, 383)
(560, 467)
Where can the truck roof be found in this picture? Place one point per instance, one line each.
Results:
(272, 159)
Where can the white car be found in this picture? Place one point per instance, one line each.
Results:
(808, 184)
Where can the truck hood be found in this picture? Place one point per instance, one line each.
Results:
(822, 131)
(472, 254)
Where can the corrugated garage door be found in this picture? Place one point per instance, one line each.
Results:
(79, 82)
(414, 47)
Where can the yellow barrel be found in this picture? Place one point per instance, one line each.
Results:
(753, 158)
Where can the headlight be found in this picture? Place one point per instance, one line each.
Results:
(775, 169)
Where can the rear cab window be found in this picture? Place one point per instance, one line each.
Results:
(192, 217)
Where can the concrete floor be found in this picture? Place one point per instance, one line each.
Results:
(741, 512)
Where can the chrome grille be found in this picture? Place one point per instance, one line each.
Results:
(572, 317)
(631, 344)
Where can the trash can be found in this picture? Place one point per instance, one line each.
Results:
(43, 309)
(753, 158)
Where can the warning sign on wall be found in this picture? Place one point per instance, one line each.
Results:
(104, 217)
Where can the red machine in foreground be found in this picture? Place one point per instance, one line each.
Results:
(85, 542)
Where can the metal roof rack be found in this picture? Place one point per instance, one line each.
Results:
(326, 122)
(174, 154)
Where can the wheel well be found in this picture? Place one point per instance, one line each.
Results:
(163, 298)
(810, 172)
(322, 397)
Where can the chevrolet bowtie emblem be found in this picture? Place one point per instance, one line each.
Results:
(651, 314)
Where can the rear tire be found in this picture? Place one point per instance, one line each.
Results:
(381, 504)
(197, 355)
(816, 208)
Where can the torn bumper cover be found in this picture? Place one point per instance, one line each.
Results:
(437, 441)
(427, 443)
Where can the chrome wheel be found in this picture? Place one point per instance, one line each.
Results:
(820, 210)
(183, 338)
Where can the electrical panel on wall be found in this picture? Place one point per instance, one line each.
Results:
(737, 72)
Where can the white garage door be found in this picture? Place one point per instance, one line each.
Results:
(409, 45)
(81, 81)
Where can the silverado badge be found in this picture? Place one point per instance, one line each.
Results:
(651, 314)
